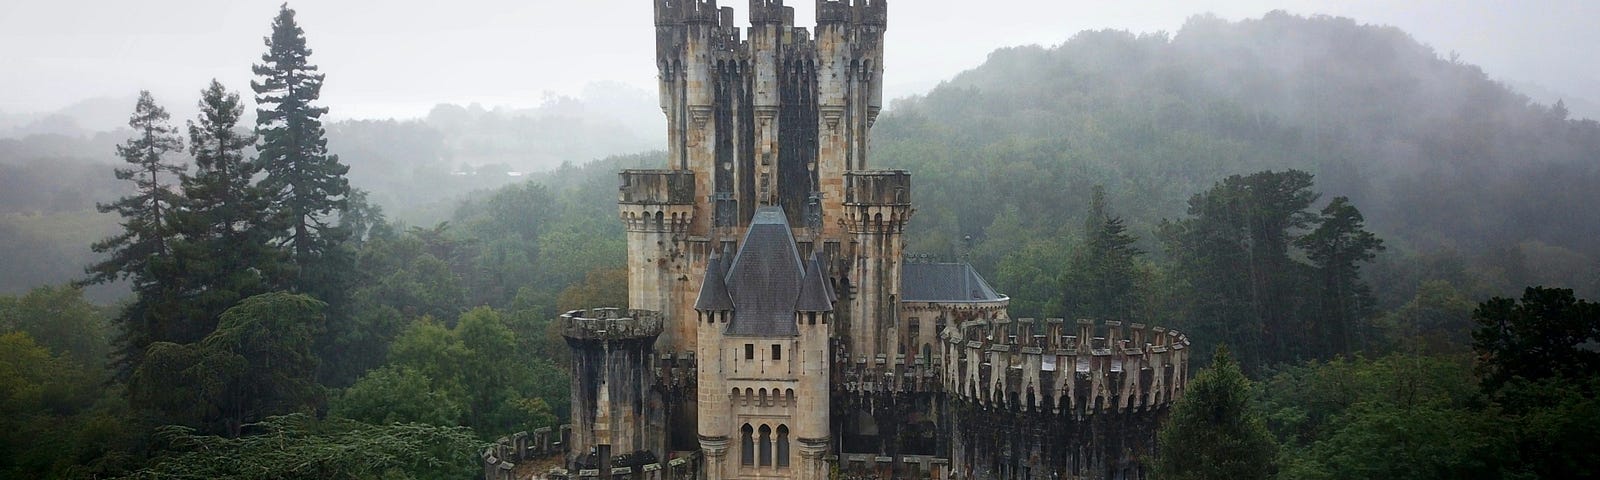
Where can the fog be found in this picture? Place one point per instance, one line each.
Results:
(400, 58)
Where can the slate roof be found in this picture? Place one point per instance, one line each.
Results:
(714, 290)
(765, 277)
(944, 282)
(815, 290)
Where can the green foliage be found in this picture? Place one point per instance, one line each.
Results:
(306, 183)
(1104, 279)
(1411, 416)
(392, 394)
(1215, 432)
(142, 252)
(225, 251)
(485, 360)
(59, 319)
(298, 447)
(1336, 249)
(258, 363)
(1437, 320)
(1550, 333)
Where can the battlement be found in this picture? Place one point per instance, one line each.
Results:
(657, 187)
(878, 187)
(859, 12)
(1080, 369)
(677, 12)
(769, 12)
(611, 324)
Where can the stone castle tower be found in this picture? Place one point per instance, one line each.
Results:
(775, 328)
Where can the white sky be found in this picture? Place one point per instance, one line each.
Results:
(400, 57)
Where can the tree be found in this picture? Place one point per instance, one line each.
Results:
(226, 247)
(396, 394)
(299, 447)
(142, 253)
(1233, 255)
(258, 363)
(1337, 248)
(1103, 278)
(1214, 432)
(61, 320)
(306, 183)
(1550, 334)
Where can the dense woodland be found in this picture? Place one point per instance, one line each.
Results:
(1360, 220)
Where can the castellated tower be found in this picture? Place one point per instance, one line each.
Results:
(776, 330)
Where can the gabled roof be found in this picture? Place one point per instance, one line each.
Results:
(714, 290)
(765, 278)
(815, 290)
(944, 282)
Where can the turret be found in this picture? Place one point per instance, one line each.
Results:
(814, 314)
(877, 207)
(657, 206)
(714, 307)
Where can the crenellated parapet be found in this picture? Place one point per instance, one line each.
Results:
(1078, 369)
(657, 201)
(859, 12)
(611, 324)
(882, 375)
(678, 12)
(877, 201)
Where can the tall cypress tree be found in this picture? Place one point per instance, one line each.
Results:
(142, 253)
(307, 184)
(226, 250)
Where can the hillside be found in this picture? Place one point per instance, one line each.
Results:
(1440, 157)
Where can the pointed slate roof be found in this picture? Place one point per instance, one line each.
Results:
(944, 282)
(814, 290)
(765, 277)
(714, 290)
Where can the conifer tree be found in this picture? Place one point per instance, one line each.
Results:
(1337, 248)
(1214, 432)
(226, 250)
(142, 253)
(307, 183)
(1103, 277)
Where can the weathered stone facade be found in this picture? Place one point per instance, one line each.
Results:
(776, 329)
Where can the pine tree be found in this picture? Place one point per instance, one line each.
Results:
(1103, 276)
(226, 250)
(307, 184)
(142, 253)
(1337, 248)
(1215, 432)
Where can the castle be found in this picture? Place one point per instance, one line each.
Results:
(775, 328)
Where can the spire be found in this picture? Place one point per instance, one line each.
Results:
(714, 290)
(814, 289)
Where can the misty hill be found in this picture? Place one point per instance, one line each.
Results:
(1439, 156)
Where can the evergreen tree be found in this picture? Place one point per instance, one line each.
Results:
(1233, 257)
(1337, 248)
(142, 253)
(1103, 279)
(307, 183)
(1215, 432)
(226, 249)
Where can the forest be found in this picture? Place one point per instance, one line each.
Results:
(1388, 251)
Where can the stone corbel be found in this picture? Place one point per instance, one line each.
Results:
(701, 115)
(832, 115)
(872, 115)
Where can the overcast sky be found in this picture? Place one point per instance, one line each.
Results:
(400, 57)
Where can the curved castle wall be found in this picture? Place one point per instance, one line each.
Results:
(1040, 400)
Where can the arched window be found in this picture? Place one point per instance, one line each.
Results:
(747, 446)
(763, 398)
(783, 446)
(788, 397)
(766, 446)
